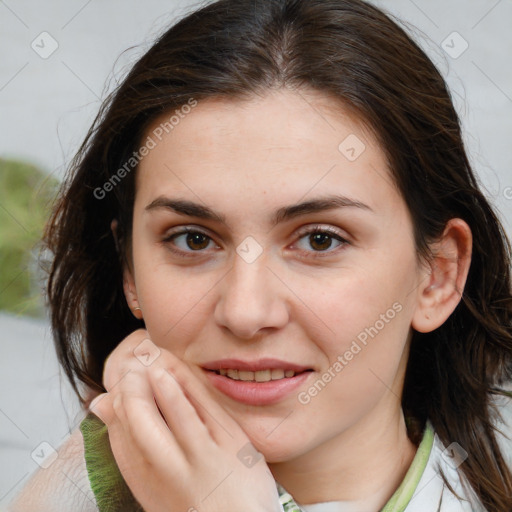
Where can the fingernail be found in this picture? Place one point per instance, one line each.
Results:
(95, 401)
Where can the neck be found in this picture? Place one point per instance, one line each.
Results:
(363, 465)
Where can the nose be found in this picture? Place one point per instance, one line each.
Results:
(252, 299)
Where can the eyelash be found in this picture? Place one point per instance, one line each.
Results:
(302, 234)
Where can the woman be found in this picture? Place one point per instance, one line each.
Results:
(274, 230)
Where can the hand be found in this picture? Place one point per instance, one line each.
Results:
(175, 446)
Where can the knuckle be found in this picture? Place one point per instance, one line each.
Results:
(121, 359)
(118, 404)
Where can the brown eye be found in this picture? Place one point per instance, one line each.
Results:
(197, 241)
(188, 241)
(320, 241)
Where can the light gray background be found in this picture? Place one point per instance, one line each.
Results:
(47, 105)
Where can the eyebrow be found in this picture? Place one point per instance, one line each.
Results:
(192, 209)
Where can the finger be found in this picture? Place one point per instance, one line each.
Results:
(222, 427)
(155, 444)
(180, 415)
(121, 359)
(126, 357)
(130, 461)
(135, 388)
(101, 406)
(133, 385)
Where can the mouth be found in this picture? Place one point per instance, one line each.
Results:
(258, 376)
(262, 382)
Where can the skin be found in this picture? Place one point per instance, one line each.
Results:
(244, 160)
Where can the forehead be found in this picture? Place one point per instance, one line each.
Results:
(283, 144)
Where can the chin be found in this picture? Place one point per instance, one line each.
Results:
(279, 448)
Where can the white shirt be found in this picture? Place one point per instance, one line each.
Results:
(432, 494)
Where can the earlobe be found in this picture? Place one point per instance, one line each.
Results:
(442, 285)
(130, 291)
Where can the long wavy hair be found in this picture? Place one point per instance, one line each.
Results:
(348, 50)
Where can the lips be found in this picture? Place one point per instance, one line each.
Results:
(254, 366)
(258, 376)
(262, 382)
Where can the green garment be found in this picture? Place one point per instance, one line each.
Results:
(109, 488)
(113, 495)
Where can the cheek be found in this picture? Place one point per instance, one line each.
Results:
(366, 316)
(174, 302)
(370, 300)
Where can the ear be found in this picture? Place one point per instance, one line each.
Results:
(445, 277)
(130, 291)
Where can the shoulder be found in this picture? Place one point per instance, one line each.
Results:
(63, 485)
(432, 493)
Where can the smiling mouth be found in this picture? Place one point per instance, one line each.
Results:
(257, 376)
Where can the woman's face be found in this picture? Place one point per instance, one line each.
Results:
(251, 180)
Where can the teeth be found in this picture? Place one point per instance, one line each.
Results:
(233, 374)
(263, 376)
(277, 374)
(259, 376)
(244, 375)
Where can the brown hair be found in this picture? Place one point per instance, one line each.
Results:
(350, 50)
